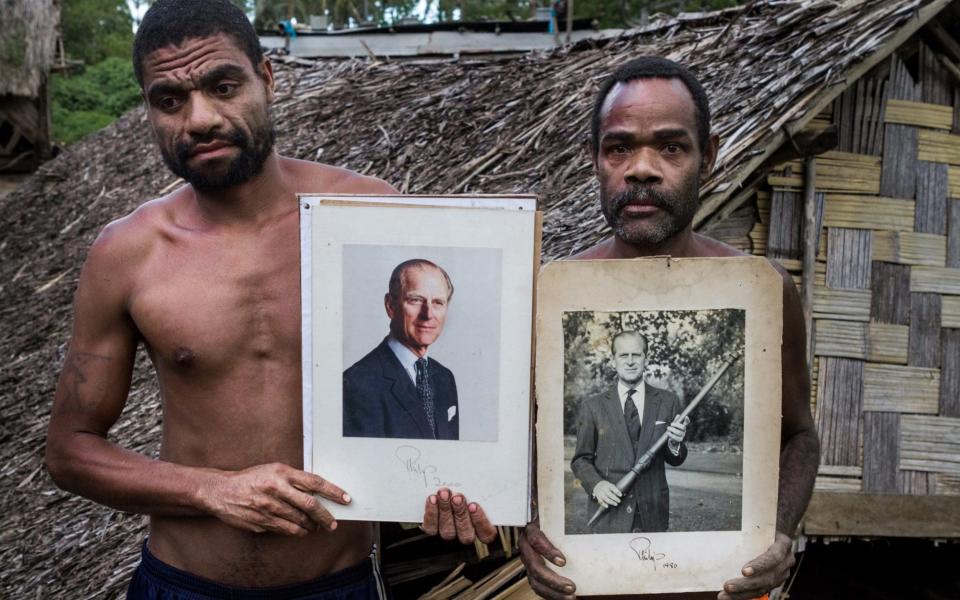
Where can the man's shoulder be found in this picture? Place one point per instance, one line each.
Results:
(662, 392)
(599, 251)
(313, 177)
(707, 246)
(370, 361)
(593, 400)
(710, 247)
(125, 242)
(436, 364)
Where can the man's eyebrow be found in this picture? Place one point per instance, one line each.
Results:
(164, 89)
(215, 74)
(671, 133)
(618, 136)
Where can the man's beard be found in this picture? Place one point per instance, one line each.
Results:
(248, 164)
(677, 210)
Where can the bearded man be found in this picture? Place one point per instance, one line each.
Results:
(652, 147)
(207, 278)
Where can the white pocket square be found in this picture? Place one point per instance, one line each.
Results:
(660, 423)
(451, 413)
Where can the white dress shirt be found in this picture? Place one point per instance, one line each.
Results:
(406, 357)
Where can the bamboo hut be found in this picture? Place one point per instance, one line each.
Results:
(28, 40)
(857, 93)
(872, 231)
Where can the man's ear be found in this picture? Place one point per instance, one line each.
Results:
(388, 304)
(266, 72)
(709, 159)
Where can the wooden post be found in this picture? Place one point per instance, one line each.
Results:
(569, 20)
(811, 236)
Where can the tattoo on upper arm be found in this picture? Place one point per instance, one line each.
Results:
(75, 375)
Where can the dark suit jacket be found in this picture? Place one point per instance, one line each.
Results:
(380, 400)
(605, 451)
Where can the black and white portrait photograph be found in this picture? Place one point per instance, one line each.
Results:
(658, 419)
(417, 325)
(630, 378)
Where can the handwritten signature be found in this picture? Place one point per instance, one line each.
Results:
(643, 548)
(409, 457)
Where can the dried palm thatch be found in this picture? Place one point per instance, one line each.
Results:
(499, 126)
(28, 37)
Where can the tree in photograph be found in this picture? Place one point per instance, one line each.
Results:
(685, 349)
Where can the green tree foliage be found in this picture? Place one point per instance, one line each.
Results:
(686, 349)
(88, 102)
(95, 29)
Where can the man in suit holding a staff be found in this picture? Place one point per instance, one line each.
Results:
(613, 429)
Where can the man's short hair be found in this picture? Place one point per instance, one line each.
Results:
(650, 67)
(626, 332)
(170, 22)
(396, 278)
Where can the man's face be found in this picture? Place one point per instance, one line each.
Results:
(649, 162)
(209, 110)
(417, 317)
(629, 358)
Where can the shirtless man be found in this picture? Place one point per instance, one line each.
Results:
(651, 149)
(207, 278)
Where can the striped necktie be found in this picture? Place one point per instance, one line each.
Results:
(631, 417)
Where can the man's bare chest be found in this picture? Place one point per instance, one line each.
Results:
(211, 305)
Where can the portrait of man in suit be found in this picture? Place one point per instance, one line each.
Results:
(397, 390)
(615, 428)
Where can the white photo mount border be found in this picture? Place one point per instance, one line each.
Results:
(649, 563)
(382, 479)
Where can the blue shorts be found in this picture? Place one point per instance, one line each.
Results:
(156, 580)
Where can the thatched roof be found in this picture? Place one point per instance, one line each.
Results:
(510, 125)
(28, 37)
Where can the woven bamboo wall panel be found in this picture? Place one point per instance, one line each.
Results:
(950, 374)
(922, 114)
(848, 258)
(868, 212)
(842, 338)
(935, 279)
(836, 172)
(938, 146)
(874, 342)
(887, 343)
(841, 304)
(947, 485)
(886, 279)
(881, 436)
(930, 444)
(910, 248)
(841, 470)
(953, 228)
(839, 409)
(899, 169)
(950, 311)
(931, 206)
(890, 293)
(891, 388)
(829, 483)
